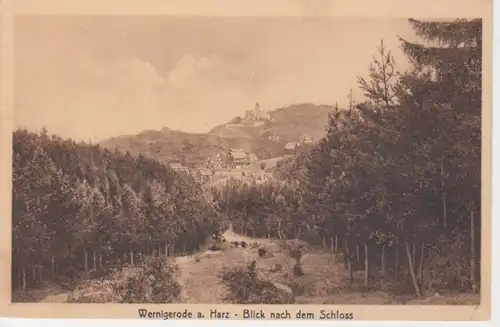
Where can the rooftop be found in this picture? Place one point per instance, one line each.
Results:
(291, 145)
(204, 171)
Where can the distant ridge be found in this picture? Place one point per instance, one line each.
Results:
(265, 138)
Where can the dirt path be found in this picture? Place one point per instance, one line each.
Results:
(199, 279)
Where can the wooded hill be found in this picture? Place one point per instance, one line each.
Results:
(193, 149)
(290, 123)
(77, 207)
(395, 185)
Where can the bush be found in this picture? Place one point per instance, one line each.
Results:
(262, 252)
(297, 270)
(448, 269)
(214, 247)
(254, 245)
(243, 244)
(245, 287)
(276, 268)
(154, 282)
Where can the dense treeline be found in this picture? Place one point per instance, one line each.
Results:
(396, 183)
(77, 207)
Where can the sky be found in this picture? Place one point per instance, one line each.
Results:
(95, 77)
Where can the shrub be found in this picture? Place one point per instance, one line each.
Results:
(297, 270)
(297, 249)
(447, 268)
(154, 282)
(245, 287)
(254, 245)
(276, 268)
(214, 247)
(243, 244)
(262, 252)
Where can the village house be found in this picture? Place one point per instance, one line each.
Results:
(261, 177)
(178, 167)
(220, 174)
(216, 162)
(252, 157)
(273, 137)
(306, 139)
(291, 147)
(237, 158)
(204, 175)
(270, 135)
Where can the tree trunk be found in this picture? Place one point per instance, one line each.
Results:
(85, 261)
(357, 253)
(458, 266)
(411, 269)
(472, 253)
(421, 266)
(23, 279)
(414, 253)
(349, 263)
(332, 246)
(131, 257)
(382, 265)
(367, 267)
(166, 251)
(443, 196)
(100, 260)
(53, 267)
(95, 260)
(396, 268)
(323, 242)
(279, 229)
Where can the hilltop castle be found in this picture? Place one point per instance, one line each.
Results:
(256, 114)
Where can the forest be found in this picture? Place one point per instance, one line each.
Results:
(78, 207)
(394, 188)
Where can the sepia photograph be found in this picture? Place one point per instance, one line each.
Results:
(247, 160)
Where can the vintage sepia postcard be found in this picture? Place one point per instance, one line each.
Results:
(291, 160)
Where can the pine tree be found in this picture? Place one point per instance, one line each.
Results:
(449, 91)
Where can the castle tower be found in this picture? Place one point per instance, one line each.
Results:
(257, 107)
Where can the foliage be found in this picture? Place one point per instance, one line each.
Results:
(396, 176)
(246, 287)
(154, 282)
(74, 203)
